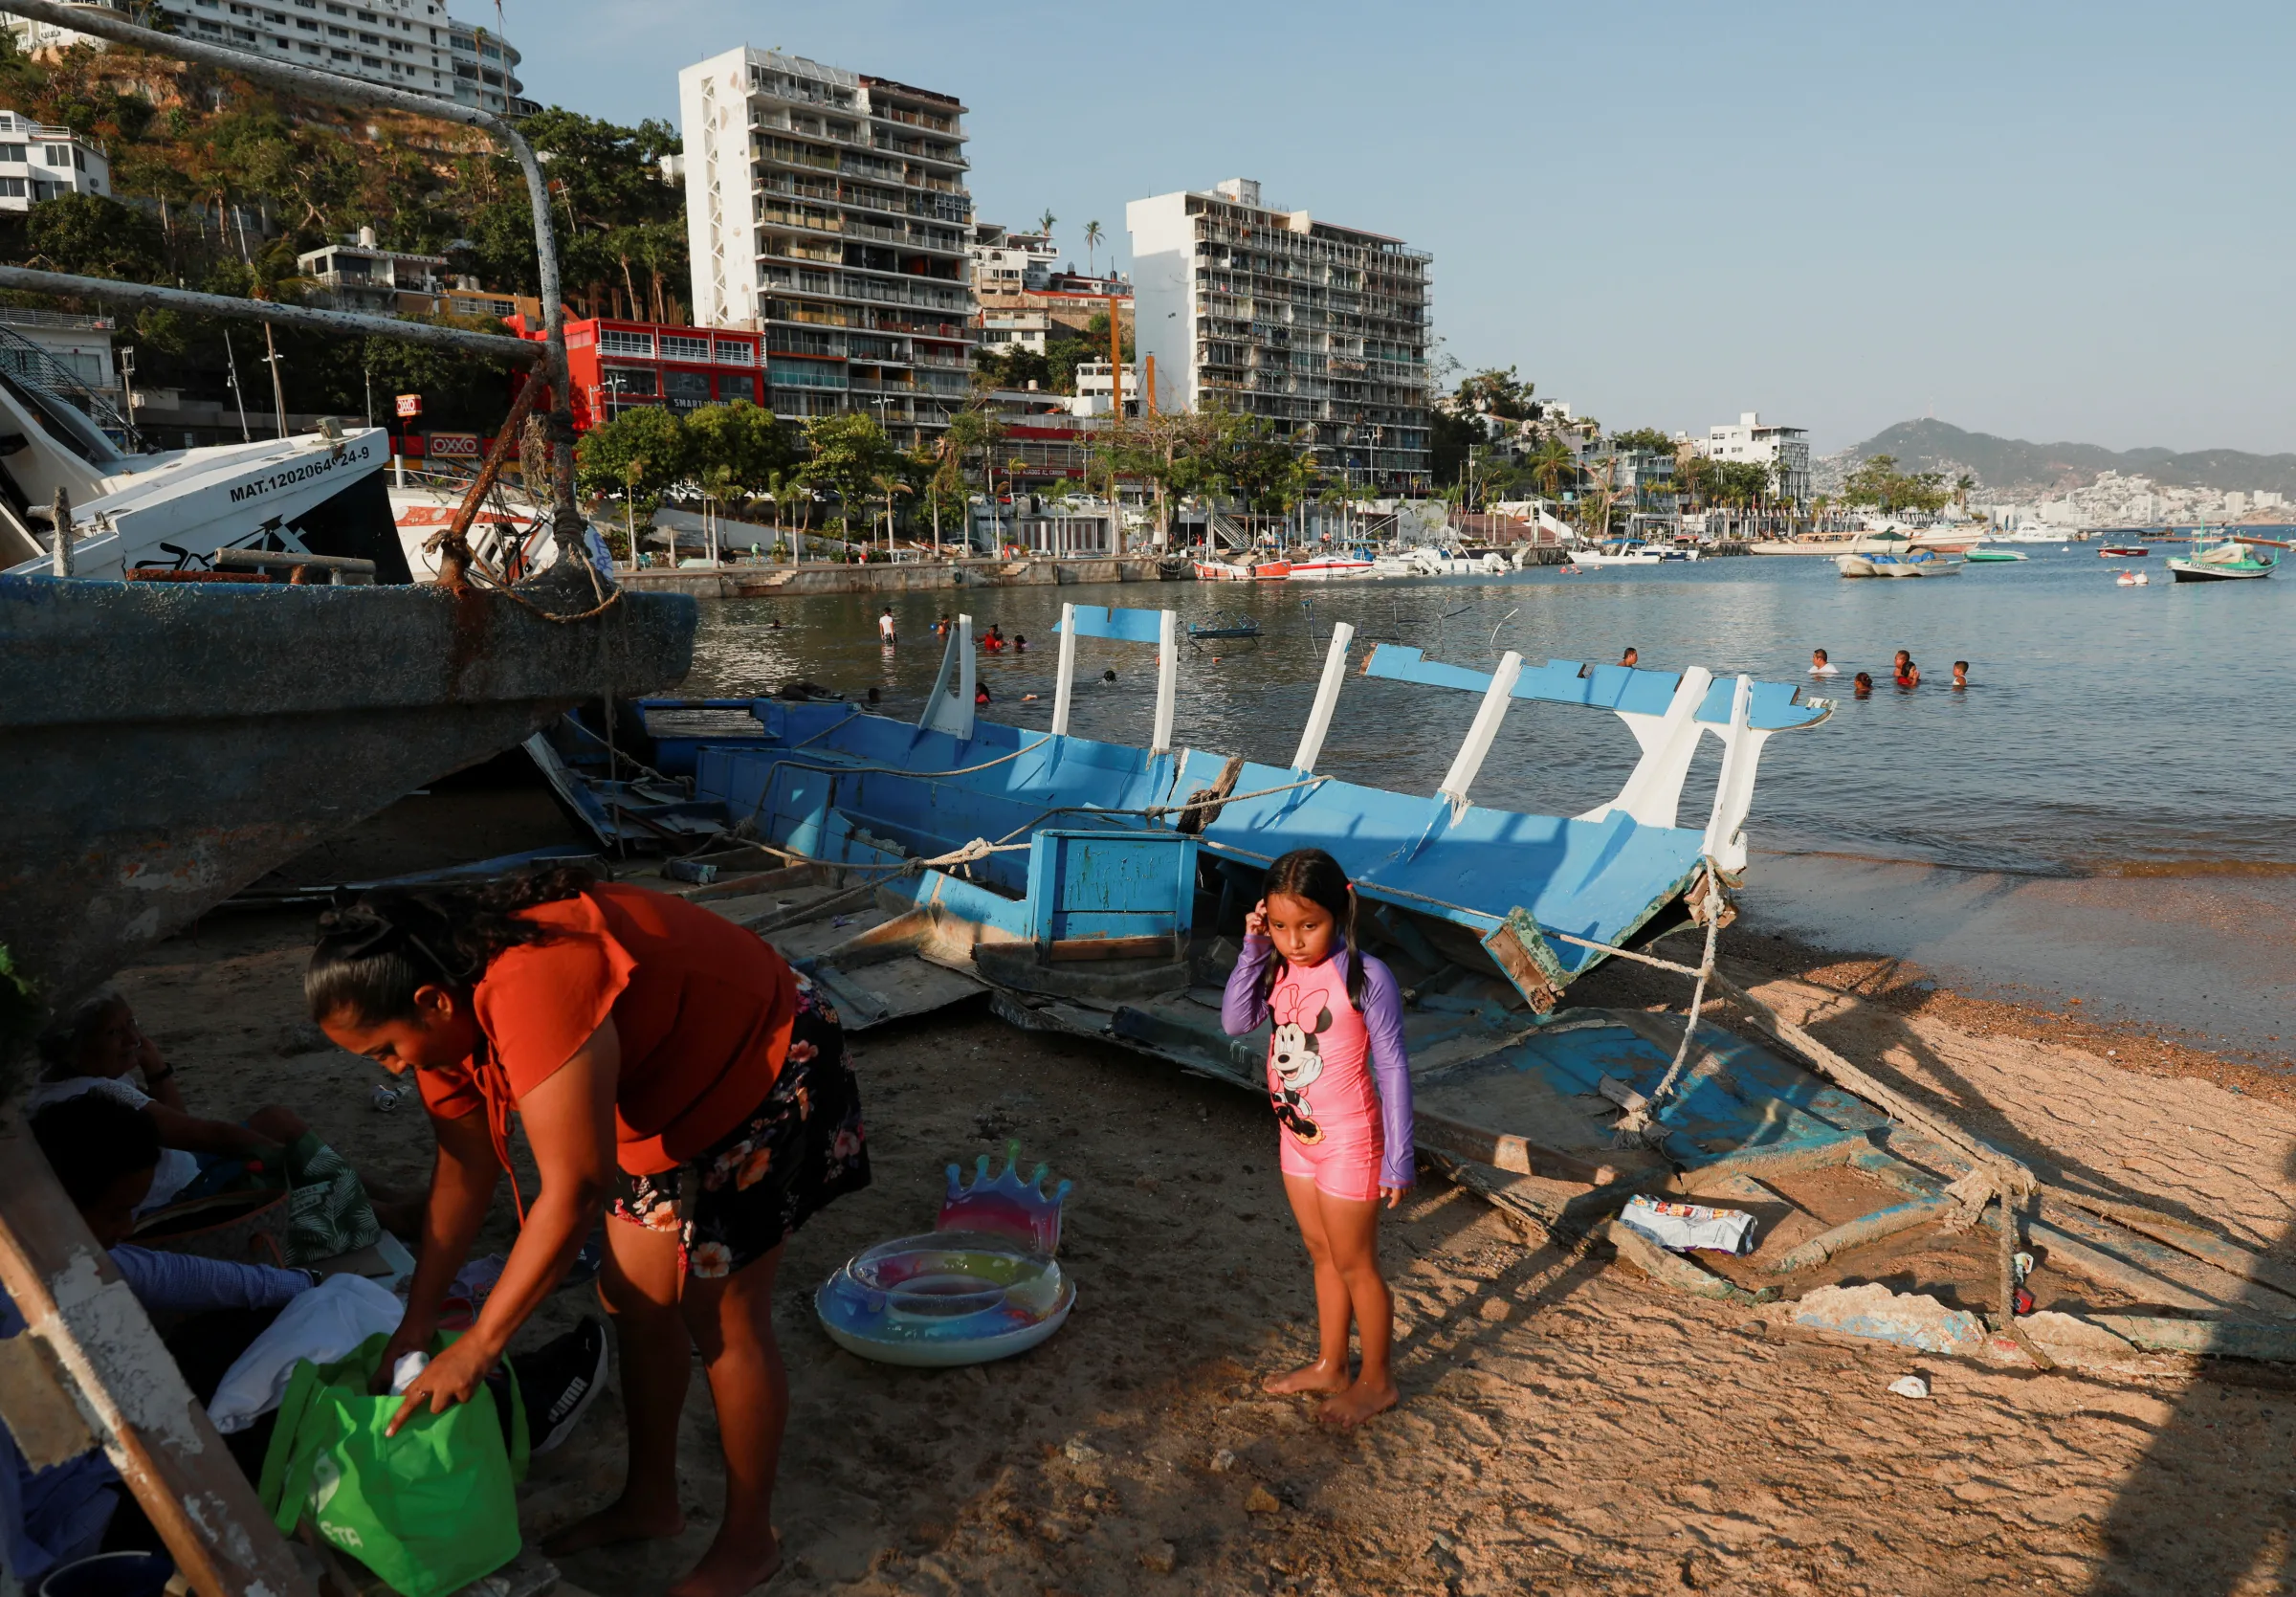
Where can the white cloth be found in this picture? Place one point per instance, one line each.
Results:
(885, 628)
(1828, 670)
(321, 1326)
(177, 1168)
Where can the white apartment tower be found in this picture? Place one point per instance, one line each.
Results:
(1784, 450)
(828, 210)
(1321, 330)
(408, 44)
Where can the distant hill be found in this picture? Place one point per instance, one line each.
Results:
(2006, 465)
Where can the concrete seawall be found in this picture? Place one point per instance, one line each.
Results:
(758, 581)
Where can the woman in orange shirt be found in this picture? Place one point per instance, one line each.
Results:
(659, 1055)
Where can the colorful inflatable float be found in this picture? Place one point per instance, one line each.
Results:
(982, 1285)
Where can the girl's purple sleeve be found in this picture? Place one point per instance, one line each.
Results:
(1390, 1069)
(1241, 1007)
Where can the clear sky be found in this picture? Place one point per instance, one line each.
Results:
(2058, 221)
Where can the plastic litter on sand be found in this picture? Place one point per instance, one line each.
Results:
(1683, 1226)
(1910, 1385)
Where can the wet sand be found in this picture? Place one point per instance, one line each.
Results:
(1565, 1426)
(2210, 959)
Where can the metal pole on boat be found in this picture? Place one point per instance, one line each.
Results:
(551, 353)
(1064, 689)
(1327, 698)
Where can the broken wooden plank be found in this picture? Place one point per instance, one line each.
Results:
(1672, 1270)
(1881, 1224)
(1519, 1156)
(1158, 947)
(2242, 1263)
(128, 1390)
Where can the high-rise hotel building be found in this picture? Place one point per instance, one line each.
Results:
(1322, 330)
(828, 210)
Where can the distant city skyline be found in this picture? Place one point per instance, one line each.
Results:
(2054, 221)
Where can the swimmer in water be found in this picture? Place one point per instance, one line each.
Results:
(1862, 684)
(1908, 673)
(1821, 666)
(1629, 658)
(1960, 674)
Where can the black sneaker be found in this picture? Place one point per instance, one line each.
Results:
(557, 1381)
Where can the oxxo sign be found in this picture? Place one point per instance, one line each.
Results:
(411, 406)
(455, 446)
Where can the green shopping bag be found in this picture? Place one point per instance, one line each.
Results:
(429, 1510)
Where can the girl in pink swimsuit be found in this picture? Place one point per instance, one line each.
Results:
(1342, 1086)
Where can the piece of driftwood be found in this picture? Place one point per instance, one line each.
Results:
(127, 1390)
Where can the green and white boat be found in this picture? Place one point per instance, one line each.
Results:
(2227, 560)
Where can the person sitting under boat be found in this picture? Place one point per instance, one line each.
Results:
(107, 1155)
(1821, 666)
(100, 1047)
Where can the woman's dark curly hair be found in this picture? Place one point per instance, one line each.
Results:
(374, 952)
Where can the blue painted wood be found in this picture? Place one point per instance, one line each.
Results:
(1100, 884)
(1125, 625)
(1776, 708)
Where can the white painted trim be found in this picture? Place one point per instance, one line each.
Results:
(1064, 691)
(1652, 793)
(1725, 841)
(1471, 753)
(949, 707)
(1327, 698)
(1167, 679)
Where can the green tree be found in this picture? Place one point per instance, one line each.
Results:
(850, 453)
(1092, 237)
(638, 456)
(1651, 438)
(1494, 392)
(737, 450)
(1552, 465)
(92, 236)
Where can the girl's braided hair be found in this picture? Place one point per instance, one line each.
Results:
(375, 950)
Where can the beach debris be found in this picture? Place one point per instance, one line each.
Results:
(1159, 1558)
(1224, 1461)
(1262, 1502)
(1910, 1385)
(1910, 1319)
(384, 1099)
(700, 872)
(1079, 1450)
(1683, 1227)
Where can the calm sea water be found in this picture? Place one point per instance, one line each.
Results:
(2106, 730)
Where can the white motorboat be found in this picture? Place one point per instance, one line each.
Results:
(1440, 563)
(322, 493)
(1330, 567)
(1630, 551)
(1918, 564)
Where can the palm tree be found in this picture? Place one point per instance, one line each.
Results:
(1962, 485)
(1092, 236)
(890, 483)
(1044, 223)
(1550, 463)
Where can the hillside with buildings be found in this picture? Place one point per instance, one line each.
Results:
(2013, 470)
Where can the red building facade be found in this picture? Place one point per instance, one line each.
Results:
(622, 365)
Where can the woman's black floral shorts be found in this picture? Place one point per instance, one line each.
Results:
(742, 1196)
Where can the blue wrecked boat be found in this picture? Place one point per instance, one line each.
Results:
(1098, 889)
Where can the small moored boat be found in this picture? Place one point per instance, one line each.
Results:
(2234, 559)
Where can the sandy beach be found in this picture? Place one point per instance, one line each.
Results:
(1566, 1425)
